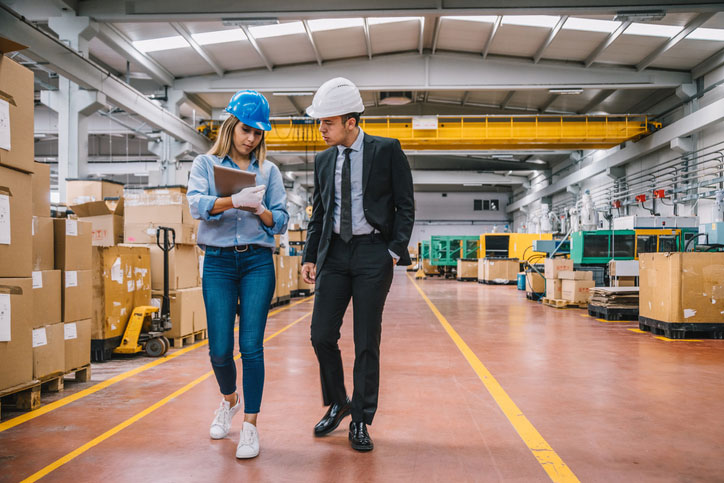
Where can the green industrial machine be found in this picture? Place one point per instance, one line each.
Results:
(446, 250)
(602, 246)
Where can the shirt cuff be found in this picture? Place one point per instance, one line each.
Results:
(394, 255)
(206, 204)
(280, 221)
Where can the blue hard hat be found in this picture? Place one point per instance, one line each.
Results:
(251, 108)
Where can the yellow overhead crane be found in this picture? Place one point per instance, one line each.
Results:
(475, 132)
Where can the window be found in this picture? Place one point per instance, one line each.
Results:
(477, 205)
(493, 205)
(485, 205)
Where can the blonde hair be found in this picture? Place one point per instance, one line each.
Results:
(222, 145)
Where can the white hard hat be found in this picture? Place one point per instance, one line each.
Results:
(336, 97)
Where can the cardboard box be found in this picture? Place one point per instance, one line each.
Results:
(284, 268)
(77, 337)
(145, 233)
(167, 205)
(183, 268)
(555, 265)
(15, 223)
(576, 290)
(201, 256)
(682, 287)
(296, 267)
(79, 191)
(553, 288)
(534, 283)
(187, 305)
(106, 219)
(623, 268)
(575, 275)
(72, 245)
(41, 189)
(48, 351)
(77, 301)
(624, 282)
(296, 236)
(17, 110)
(121, 282)
(501, 270)
(467, 269)
(47, 300)
(16, 349)
(43, 252)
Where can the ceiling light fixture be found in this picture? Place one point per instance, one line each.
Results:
(566, 91)
(640, 16)
(249, 21)
(395, 98)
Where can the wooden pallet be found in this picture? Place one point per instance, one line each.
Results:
(189, 339)
(564, 304)
(27, 397)
(467, 279)
(493, 282)
(675, 330)
(609, 313)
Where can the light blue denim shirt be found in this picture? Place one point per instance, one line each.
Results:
(235, 227)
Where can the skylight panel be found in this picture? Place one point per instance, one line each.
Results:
(219, 36)
(163, 43)
(591, 25)
(277, 30)
(473, 18)
(653, 30)
(382, 20)
(545, 21)
(707, 34)
(321, 24)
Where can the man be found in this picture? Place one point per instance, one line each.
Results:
(360, 227)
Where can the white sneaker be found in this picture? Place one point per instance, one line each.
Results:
(248, 442)
(222, 421)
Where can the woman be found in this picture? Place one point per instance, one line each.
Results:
(237, 234)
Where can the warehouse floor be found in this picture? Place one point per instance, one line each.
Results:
(564, 393)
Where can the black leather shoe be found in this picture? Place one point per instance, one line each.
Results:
(331, 420)
(359, 437)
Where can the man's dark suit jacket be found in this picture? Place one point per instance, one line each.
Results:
(389, 202)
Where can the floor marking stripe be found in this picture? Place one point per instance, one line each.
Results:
(665, 339)
(23, 418)
(96, 441)
(553, 465)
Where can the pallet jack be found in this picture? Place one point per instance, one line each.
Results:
(145, 328)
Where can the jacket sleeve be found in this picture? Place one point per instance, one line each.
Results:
(316, 221)
(403, 196)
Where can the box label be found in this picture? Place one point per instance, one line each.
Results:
(40, 338)
(117, 271)
(71, 279)
(37, 279)
(4, 220)
(201, 266)
(71, 227)
(4, 125)
(70, 331)
(130, 286)
(5, 317)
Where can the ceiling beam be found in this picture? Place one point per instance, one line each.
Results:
(443, 71)
(697, 22)
(597, 100)
(436, 34)
(551, 99)
(465, 98)
(507, 99)
(491, 36)
(199, 50)
(119, 43)
(708, 65)
(297, 107)
(606, 43)
(189, 10)
(368, 42)
(549, 39)
(423, 177)
(421, 41)
(69, 64)
(644, 105)
(686, 126)
(256, 47)
(312, 42)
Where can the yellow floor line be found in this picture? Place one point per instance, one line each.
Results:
(23, 418)
(116, 429)
(638, 331)
(665, 339)
(617, 321)
(553, 465)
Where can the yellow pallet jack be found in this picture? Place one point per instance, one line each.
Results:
(145, 328)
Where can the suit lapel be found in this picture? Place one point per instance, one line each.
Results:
(368, 155)
(329, 177)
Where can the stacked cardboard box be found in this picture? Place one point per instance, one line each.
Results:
(106, 219)
(80, 191)
(575, 285)
(16, 211)
(153, 207)
(498, 270)
(534, 283)
(286, 271)
(554, 285)
(467, 269)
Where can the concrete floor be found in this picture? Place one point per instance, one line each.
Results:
(606, 403)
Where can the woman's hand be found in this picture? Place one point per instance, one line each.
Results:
(249, 199)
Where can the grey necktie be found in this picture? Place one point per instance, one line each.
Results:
(345, 221)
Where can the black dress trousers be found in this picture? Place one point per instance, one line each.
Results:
(360, 270)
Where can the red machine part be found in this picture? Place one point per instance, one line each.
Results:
(616, 204)
(641, 198)
(659, 194)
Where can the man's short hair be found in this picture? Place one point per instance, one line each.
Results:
(351, 115)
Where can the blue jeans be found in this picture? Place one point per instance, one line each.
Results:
(243, 283)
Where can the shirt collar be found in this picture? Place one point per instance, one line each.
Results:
(356, 145)
(254, 161)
